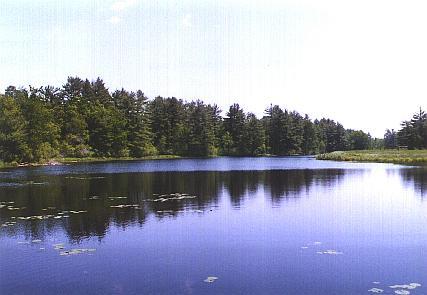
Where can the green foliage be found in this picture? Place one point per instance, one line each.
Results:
(234, 124)
(390, 139)
(13, 145)
(413, 133)
(42, 133)
(358, 140)
(254, 136)
(82, 120)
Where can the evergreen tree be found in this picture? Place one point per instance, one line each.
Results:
(133, 108)
(13, 145)
(201, 139)
(390, 139)
(234, 124)
(310, 142)
(42, 133)
(83, 119)
(254, 136)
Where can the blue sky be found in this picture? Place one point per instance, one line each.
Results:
(363, 63)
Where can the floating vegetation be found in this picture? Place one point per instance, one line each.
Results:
(58, 215)
(36, 241)
(126, 206)
(31, 182)
(59, 246)
(376, 283)
(8, 223)
(118, 197)
(93, 197)
(24, 243)
(164, 211)
(85, 178)
(35, 217)
(75, 251)
(15, 208)
(76, 212)
(330, 252)
(410, 286)
(402, 292)
(376, 290)
(210, 279)
(169, 197)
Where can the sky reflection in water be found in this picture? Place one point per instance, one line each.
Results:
(334, 228)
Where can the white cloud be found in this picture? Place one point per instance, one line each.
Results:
(121, 5)
(186, 22)
(115, 19)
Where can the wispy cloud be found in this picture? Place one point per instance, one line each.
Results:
(115, 19)
(121, 5)
(186, 21)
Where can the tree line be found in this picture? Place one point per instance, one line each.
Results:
(411, 135)
(83, 119)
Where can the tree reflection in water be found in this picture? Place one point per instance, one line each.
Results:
(97, 193)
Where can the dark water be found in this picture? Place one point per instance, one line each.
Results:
(261, 226)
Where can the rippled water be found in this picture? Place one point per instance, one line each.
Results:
(214, 226)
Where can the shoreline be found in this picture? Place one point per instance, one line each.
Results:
(394, 156)
(373, 156)
(71, 160)
(68, 160)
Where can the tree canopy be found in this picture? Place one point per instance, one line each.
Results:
(83, 118)
(412, 134)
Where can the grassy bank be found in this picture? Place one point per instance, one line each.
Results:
(59, 161)
(382, 156)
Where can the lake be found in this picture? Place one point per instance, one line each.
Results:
(285, 225)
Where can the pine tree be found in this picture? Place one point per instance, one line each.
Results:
(234, 124)
(13, 145)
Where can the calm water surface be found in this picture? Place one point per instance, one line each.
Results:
(260, 225)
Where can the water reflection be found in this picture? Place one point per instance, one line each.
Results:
(417, 178)
(53, 203)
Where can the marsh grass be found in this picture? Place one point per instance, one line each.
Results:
(382, 156)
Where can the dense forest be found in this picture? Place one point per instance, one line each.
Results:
(83, 119)
(412, 134)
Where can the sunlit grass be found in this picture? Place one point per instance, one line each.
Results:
(383, 156)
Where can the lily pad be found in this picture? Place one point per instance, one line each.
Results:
(376, 290)
(408, 286)
(402, 292)
(333, 252)
(75, 251)
(210, 279)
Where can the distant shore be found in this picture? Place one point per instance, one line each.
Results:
(380, 156)
(62, 161)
